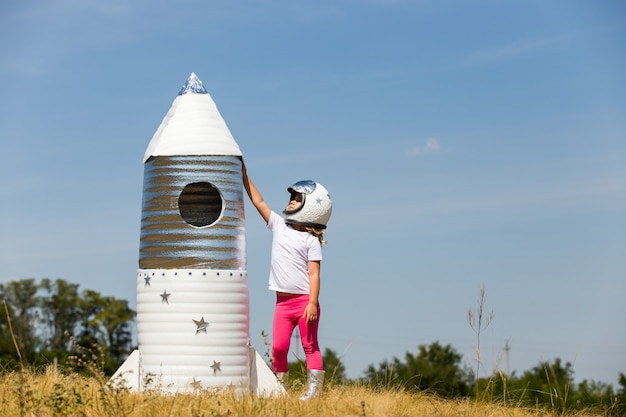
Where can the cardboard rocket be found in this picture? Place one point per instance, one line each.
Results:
(192, 283)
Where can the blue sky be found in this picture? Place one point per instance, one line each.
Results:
(463, 142)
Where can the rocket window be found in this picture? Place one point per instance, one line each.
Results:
(200, 204)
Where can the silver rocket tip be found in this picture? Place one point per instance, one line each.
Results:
(193, 85)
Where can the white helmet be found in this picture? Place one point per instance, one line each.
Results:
(315, 208)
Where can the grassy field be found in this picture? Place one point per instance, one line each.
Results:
(51, 393)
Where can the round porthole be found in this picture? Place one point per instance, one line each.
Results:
(200, 204)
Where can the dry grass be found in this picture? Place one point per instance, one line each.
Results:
(54, 394)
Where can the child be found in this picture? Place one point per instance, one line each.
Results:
(295, 273)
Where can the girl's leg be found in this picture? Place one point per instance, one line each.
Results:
(310, 345)
(281, 334)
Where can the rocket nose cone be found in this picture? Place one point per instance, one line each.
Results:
(192, 126)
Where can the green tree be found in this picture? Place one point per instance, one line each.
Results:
(620, 397)
(116, 320)
(550, 384)
(105, 327)
(91, 304)
(51, 320)
(600, 396)
(435, 368)
(335, 368)
(20, 298)
(60, 308)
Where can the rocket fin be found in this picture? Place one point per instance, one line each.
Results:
(262, 379)
(127, 375)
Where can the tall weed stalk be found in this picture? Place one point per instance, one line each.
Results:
(479, 322)
(21, 376)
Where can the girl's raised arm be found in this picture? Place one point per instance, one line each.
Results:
(254, 195)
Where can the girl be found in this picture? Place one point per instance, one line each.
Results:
(295, 273)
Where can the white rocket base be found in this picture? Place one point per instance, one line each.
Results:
(192, 329)
(263, 382)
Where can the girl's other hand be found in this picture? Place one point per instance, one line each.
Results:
(310, 313)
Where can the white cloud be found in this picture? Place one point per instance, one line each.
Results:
(432, 145)
(514, 50)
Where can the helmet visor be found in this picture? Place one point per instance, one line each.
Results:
(298, 192)
(303, 187)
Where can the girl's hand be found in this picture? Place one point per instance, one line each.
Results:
(310, 313)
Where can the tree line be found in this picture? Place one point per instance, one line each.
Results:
(47, 322)
(50, 321)
(438, 369)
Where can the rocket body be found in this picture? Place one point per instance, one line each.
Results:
(192, 284)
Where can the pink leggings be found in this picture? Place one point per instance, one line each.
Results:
(289, 313)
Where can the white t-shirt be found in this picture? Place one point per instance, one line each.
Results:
(291, 252)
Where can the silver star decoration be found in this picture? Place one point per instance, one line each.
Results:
(165, 296)
(217, 366)
(318, 200)
(196, 384)
(201, 325)
(147, 283)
